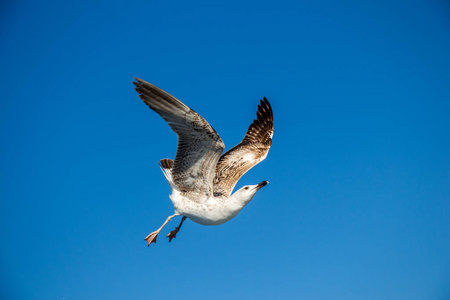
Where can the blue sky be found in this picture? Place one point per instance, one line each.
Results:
(358, 201)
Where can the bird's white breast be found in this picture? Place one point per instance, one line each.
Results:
(205, 211)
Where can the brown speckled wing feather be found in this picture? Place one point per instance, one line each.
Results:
(249, 152)
(199, 146)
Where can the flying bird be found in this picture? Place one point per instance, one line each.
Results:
(201, 179)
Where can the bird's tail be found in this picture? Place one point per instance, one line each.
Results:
(166, 165)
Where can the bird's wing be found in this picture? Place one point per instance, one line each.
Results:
(249, 152)
(199, 146)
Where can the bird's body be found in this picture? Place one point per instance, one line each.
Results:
(205, 211)
(201, 178)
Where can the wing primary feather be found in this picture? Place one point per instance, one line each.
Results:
(249, 152)
(199, 146)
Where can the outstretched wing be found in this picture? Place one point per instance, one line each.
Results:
(249, 152)
(199, 146)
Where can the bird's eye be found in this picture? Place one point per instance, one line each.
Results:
(246, 187)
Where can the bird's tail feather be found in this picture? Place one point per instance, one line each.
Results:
(166, 165)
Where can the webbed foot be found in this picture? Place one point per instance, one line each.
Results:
(173, 234)
(151, 238)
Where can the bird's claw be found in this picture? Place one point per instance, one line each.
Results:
(173, 234)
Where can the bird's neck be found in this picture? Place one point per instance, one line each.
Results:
(235, 203)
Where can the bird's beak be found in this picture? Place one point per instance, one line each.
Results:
(261, 184)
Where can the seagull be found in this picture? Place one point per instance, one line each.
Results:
(201, 179)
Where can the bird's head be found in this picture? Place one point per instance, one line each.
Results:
(247, 192)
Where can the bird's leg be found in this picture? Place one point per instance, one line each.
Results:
(151, 238)
(174, 232)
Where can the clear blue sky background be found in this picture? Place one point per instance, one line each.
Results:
(358, 201)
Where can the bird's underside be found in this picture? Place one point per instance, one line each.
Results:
(200, 177)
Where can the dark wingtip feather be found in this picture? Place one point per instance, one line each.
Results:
(262, 127)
